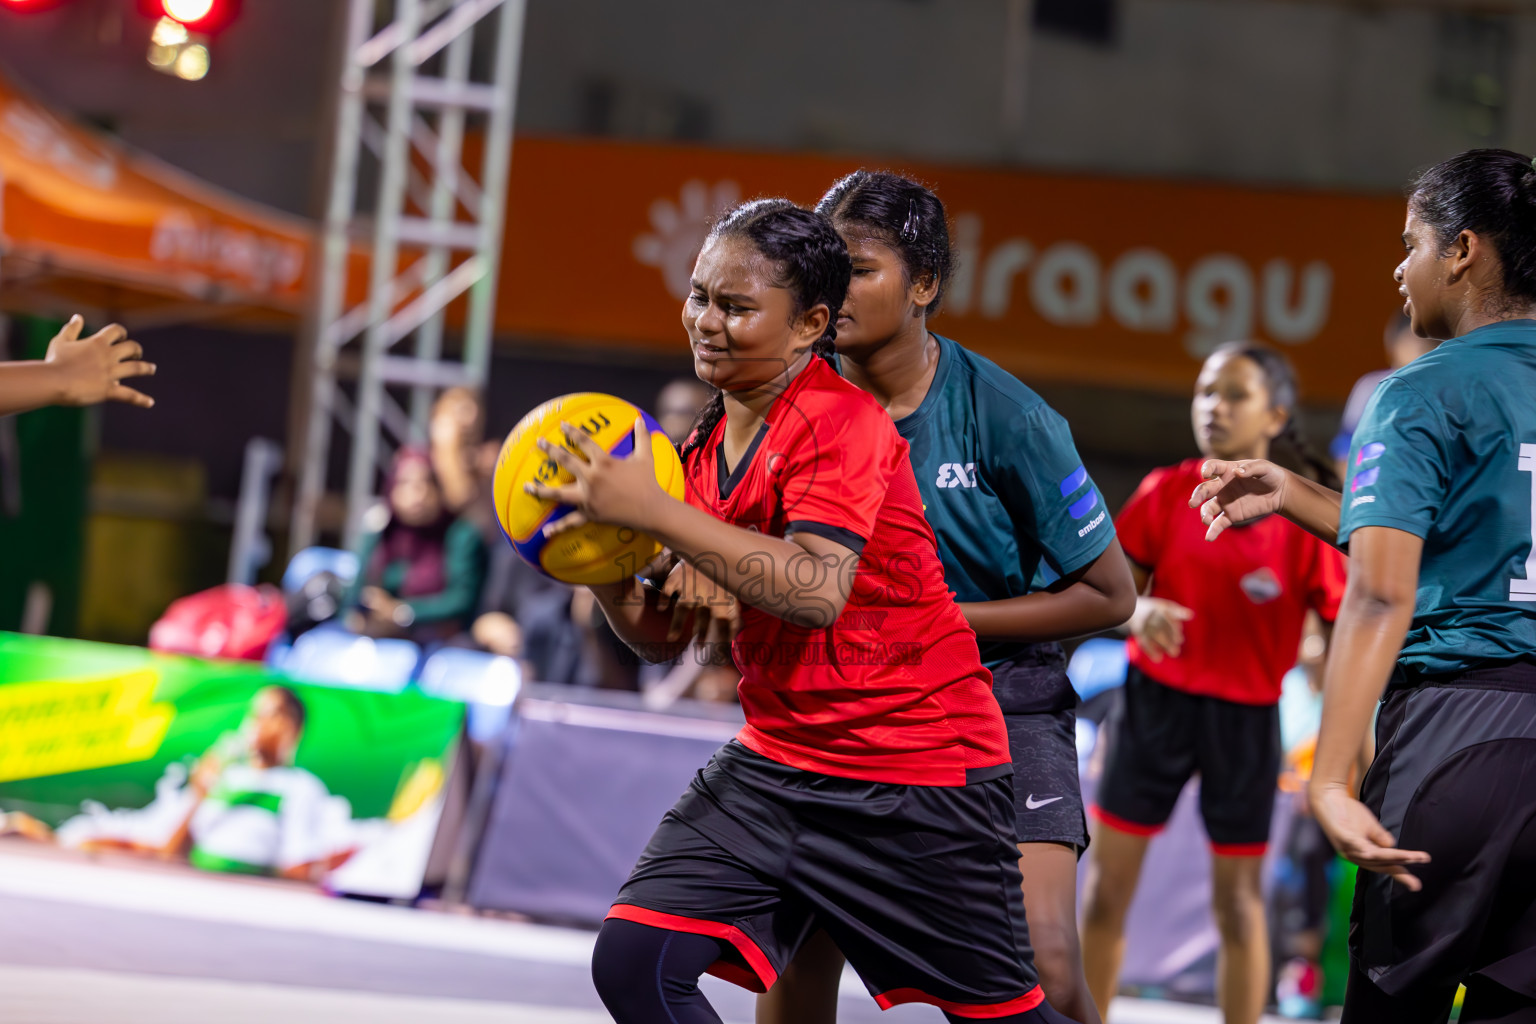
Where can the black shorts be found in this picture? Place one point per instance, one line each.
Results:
(1047, 797)
(1157, 737)
(1455, 776)
(917, 885)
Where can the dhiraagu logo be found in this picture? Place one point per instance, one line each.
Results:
(1082, 505)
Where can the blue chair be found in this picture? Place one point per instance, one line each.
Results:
(331, 655)
(310, 562)
(1097, 666)
(487, 683)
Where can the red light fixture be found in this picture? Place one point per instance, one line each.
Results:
(28, 6)
(201, 17)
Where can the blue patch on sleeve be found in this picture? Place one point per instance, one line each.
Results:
(1370, 451)
(1074, 480)
(1365, 479)
(1083, 505)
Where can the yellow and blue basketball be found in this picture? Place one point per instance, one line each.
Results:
(595, 553)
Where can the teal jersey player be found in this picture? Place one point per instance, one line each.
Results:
(1010, 503)
(1027, 547)
(1436, 635)
(1446, 451)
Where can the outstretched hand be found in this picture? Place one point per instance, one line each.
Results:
(93, 369)
(1234, 493)
(1360, 838)
(605, 488)
(1158, 626)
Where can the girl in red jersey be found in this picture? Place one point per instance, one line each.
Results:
(1210, 641)
(868, 793)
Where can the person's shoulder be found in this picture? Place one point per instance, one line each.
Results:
(464, 530)
(827, 393)
(1179, 475)
(296, 781)
(1443, 359)
(1436, 380)
(989, 383)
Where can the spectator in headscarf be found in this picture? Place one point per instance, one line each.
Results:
(421, 567)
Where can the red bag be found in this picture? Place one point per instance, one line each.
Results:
(229, 621)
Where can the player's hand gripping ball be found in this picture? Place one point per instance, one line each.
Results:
(594, 553)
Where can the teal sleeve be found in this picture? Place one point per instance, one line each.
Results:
(1054, 504)
(365, 548)
(463, 572)
(1399, 463)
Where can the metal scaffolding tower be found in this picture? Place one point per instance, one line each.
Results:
(409, 92)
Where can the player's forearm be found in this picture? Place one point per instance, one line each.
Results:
(29, 385)
(1367, 639)
(1312, 507)
(637, 619)
(1103, 597)
(772, 574)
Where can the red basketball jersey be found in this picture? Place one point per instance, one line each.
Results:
(1249, 589)
(894, 691)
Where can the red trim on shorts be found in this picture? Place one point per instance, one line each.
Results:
(1023, 1004)
(1119, 824)
(1239, 849)
(759, 979)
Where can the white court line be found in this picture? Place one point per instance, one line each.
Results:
(48, 995)
(197, 897)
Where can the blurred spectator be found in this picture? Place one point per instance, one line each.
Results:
(421, 568)
(454, 432)
(678, 405)
(526, 615)
(1403, 347)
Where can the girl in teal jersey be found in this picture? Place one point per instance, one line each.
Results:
(1439, 516)
(1009, 501)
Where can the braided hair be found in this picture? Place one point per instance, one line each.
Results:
(903, 214)
(808, 258)
(1280, 378)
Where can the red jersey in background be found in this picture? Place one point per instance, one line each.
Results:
(1249, 589)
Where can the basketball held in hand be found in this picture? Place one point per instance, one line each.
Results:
(596, 553)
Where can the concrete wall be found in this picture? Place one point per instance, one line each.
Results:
(1304, 92)
(1307, 93)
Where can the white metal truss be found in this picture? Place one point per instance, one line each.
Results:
(409, 91)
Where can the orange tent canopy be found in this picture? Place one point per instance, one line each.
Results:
(89, 225)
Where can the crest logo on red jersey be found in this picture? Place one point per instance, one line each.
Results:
(1262, 586)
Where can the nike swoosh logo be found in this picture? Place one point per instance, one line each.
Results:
(1034, 804)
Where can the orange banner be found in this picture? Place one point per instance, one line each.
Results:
(1090, 280)
(84, 219)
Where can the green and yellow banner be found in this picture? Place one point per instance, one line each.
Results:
(226, 764)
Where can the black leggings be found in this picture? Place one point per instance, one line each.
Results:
(1487, 1002)
(650, 975)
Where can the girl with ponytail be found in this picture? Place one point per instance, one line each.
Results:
(868, 793)
(1437, 633)
(1026, 543)
(1215, 630)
